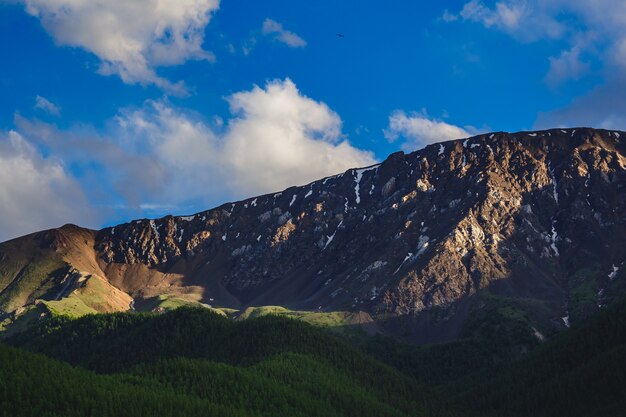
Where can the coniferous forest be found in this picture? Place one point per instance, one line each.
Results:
(191, 361)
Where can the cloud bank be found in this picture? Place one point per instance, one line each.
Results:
(36, 192)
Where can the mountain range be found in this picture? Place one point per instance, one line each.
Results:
(530, 226)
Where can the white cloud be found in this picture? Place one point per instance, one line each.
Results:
(161, 156)
(567, 66)
(526, 20)
(419, 130)
(590, 26)
(272, 27)
(276, 138)
(449, 17)
(130, 38)
(35, 192)
(46, 105)
(593, 31)
(504, 16)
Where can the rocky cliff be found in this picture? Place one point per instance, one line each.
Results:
(536, 216)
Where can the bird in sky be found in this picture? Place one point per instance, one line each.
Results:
(340, 35)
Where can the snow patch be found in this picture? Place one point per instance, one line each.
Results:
(566, 320)
(441, 149)
(258, 239)
(613, 273)
(253, 203)
(406, 258)
(532, 134)
(309, 193)
(358, 175)
(538, 335)
(154, 229)
(422, 245)
(187, 218)
(224, 236)
(331, 237)
(293, 200)
(553, 238)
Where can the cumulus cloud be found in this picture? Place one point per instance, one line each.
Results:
(272, 27)
(46, 105)
(131, 38)
(276, 138)
(159, 155)
(36, 192)
(419, 130)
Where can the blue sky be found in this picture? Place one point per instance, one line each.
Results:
(113, 110)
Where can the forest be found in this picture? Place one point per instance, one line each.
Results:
(191, 361)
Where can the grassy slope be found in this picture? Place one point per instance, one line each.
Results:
(24, 283)
(332, 319)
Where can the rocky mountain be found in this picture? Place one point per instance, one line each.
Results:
(420, 243)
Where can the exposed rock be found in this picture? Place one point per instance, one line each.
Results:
(521, 214)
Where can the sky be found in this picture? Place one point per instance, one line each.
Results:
(112, 110)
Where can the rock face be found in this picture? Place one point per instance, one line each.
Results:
(538, 215)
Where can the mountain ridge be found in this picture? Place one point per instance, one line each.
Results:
(412, 241)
